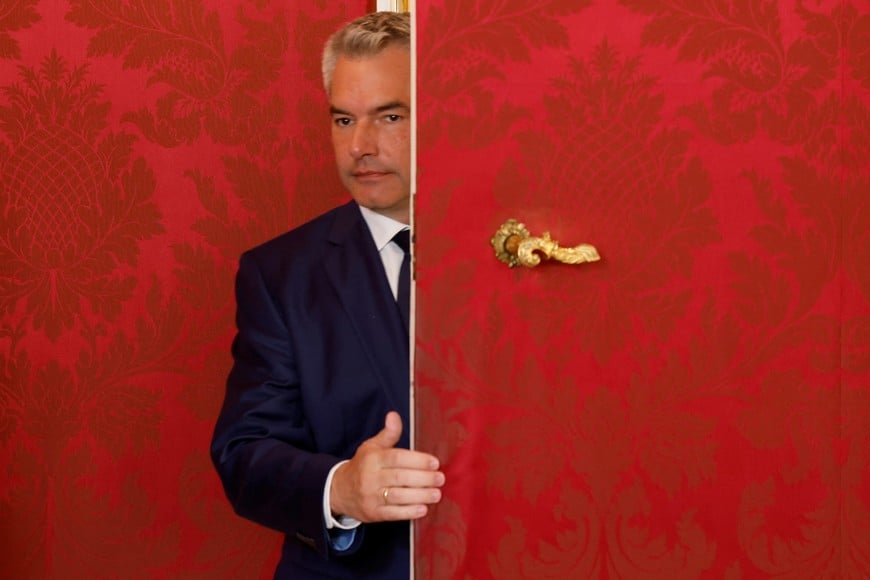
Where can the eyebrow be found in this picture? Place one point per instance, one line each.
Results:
(379, 109)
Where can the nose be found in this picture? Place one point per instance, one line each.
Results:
(364, 140)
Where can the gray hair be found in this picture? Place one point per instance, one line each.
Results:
(365, 36)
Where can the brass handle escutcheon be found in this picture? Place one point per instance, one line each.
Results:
(516, 247)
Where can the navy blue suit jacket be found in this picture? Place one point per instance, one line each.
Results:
(320, 357)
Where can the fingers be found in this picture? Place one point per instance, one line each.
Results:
(390, 434)
(405, 477)
(388, 437)
(382, 482)
(405, 503)
(405, 494)
(409, 497)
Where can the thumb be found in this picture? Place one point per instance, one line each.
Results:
(389, 435)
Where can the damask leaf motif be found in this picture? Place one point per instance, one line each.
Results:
(857, 42)
(15, 15)
(73, 214)
(545, 407)
(199, 393)
(761, 297)
(131, 212)
(628, 180)
(128, 408)
(54, 415)
(856, 346)
(609, 88)
(213, 203)
(149, 33)
(640, 547)
(855, 511)
(693, 224)
(182, 46)
(57, 404)
(856, 215)
(106, 296)
(768, 201)
(205, 277)
(799, 234)
(821, 138)
(268, 41)
(22, 521)
(713, 30)
(448, 384)
(494, 29)
(8, 46)
(788, 412)
(206, 283)
(91, 531)
(14, 370)
(233, 547)
(504, 563)
(766, 83)
(250, 180)
(574, 551)
(173, 123)
(448, 532)
(462, 68)
(672, 442)
(117, 149)
(802, 543)
(439, 417)
(536, 409)
(854, 143)
(128, 416)
(120, 379)
(714, 355)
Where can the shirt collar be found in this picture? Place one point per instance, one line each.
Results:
(381, 227)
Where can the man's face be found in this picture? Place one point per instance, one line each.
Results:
(370, 102)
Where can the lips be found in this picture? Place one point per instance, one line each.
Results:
(369, 174)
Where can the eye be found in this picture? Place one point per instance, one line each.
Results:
(342, 121)
(392, 118)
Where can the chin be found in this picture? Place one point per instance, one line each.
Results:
(378, 202)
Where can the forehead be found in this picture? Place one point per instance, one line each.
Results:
(370, 81)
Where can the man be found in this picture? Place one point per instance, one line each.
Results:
(312, 437)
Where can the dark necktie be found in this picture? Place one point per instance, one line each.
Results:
(403, 296)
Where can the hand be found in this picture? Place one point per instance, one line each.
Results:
(382, 482)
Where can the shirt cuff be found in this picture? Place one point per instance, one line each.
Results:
(341, 522)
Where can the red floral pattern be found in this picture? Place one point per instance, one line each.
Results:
(143, 146)
(696, 404)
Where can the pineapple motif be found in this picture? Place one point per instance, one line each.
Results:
(51, 180)
(68, 220)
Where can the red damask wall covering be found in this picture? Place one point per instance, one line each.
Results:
(697, 403)
(143, 145)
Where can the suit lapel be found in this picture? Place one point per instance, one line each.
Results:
(355, 270)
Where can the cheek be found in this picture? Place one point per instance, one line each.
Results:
(401, 148)
(338, 147)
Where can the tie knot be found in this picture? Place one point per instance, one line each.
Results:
(403, 239)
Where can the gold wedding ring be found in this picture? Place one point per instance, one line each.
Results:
(386, 496)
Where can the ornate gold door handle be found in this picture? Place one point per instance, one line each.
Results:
(516, 247)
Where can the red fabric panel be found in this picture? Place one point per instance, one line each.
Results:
(143, 145)
(697, 403)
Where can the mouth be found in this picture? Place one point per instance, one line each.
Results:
(365, 175)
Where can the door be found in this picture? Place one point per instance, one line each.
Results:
(695, 403)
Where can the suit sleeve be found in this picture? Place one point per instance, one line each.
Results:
(262, 445)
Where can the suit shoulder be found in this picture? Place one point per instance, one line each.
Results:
(304, 241)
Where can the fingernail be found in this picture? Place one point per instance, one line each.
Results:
(439, 479)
